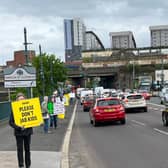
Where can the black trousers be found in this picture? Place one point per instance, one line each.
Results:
(23, 143)
(54, 121)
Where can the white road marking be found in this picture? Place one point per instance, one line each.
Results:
(155, 104)
(65, 146)
(138, 122)
(160, 131)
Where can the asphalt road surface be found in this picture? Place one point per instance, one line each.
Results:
(141, 143)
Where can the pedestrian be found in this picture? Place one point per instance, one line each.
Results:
(51, 110)
(57, 99)
(45, 114)
(23, 138)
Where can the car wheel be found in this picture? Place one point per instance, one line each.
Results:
(84, 109)
(165, 118)
(91, 121)
(123, 121)
(145, 109)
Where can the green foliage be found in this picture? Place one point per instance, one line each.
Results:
(54, 71)
(87, 59)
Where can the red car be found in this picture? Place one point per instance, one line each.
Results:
(107, 109)
(87, 103)
(145, 94)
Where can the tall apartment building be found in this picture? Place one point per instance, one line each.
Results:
(75, 41)
(123, 39)
(159, 35)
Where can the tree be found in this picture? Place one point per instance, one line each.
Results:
(54, 71)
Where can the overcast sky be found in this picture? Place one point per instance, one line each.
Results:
(44, 22)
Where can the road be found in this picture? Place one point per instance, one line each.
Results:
(141, 143)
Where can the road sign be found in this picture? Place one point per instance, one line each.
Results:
(19, 77)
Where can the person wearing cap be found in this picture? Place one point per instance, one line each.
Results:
(23, 138)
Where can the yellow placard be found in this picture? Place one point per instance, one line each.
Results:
(27, 113)
(61, 116)
(66, 99)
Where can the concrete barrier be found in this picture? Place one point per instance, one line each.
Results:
(5, 110)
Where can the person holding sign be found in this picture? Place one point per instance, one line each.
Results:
(23, 136)
(45, 114)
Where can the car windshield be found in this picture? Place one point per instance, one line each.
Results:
(88, 98)
(110, 102)
(134, 97)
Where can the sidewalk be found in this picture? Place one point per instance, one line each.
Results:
(45, 148)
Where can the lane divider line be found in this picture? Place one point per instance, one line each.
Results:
(155, 104)
(65, 146)
(138, 122)
(160, 131)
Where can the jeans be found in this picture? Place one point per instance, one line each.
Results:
(46, 125)
(20, 141)
(53, 121)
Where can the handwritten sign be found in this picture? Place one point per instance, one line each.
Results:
(27, 112)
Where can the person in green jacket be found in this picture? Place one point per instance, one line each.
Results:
(51, 111)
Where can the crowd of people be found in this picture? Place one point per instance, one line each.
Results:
(51, 107)
(50, 110)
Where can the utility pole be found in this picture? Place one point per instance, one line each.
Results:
(42, 71)
(133, 74)
(27, 58)
(51, 77)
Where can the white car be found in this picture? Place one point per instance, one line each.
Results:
(85, 93)
(134, 101)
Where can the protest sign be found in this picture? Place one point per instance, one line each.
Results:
(59, 108)
(27, 113)
(66, 99)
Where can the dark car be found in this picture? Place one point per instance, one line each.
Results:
(107, 109)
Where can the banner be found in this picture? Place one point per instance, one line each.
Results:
(27, 113)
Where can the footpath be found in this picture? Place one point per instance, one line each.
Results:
(45, 148)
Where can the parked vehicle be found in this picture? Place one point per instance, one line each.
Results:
(107, 109)
(134, 101)
(88, 103)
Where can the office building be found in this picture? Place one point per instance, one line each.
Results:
(124, 39)
(74, 33)
(159, 35)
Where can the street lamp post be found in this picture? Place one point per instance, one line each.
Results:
(162, 70)
(133, 74)
(42, 71)
(27, 58)
(51, 77)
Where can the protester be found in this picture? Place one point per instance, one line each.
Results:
(57, 100)
(51, 110)
(23, 136)
(45, 114)
(55, 114)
